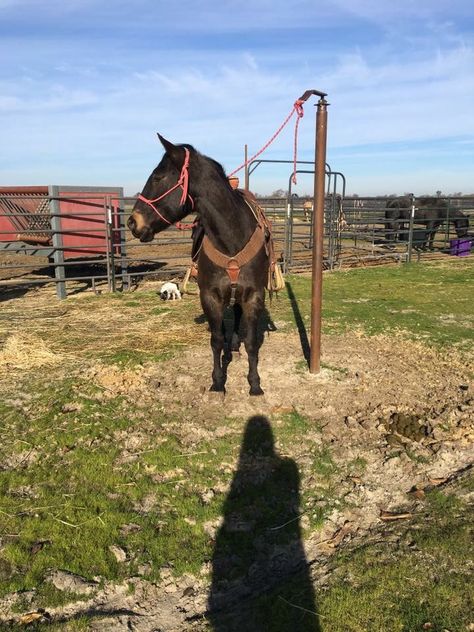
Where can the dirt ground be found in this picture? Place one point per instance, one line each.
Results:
(404, 409)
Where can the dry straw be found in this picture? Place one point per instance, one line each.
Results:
(26, 351)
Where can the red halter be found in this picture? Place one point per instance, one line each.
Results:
(183, 182)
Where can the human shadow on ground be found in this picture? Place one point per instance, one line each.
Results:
(260, 576)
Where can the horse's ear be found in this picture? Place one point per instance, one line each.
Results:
(173, 151)
(166, 143)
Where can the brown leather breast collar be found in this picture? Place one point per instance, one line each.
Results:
(233, 264)
(261, 237)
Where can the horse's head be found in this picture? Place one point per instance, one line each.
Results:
(164, 199)
(461, 225)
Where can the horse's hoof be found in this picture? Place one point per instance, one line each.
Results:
(255, 391)
(215, 388)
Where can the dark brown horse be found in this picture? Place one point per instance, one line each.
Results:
(233, 261)
(430, 212)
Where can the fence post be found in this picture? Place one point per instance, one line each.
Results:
(410, 231)
(447, 226)
(121, 228)
(110, 230)
(246, 171)
(57, 239)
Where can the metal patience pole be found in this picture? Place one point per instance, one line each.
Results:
(318, 219)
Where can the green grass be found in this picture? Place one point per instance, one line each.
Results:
(75, 496)
(423, 580)
(429, 302)
(133, 357)
(81, 487)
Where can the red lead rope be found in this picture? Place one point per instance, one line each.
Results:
(298, 108)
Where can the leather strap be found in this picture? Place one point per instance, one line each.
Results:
(233, 264)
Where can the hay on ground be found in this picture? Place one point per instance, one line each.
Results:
(26, 351)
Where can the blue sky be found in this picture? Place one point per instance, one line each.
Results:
(86, 84)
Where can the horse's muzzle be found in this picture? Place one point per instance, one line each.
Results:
(139, 229)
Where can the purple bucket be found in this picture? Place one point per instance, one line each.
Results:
(461, 247)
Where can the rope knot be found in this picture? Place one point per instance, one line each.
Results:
(299, 108)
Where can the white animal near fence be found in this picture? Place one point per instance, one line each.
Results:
(170, 292)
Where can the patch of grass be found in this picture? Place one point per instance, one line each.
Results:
(160, 311)
(301, 366)
(324, 495)
(357, 465)
(424, 580)
(133, 357)
(78, 485)
(295, 422)
(82, 486)
(337, 369)
(323, 463)
(426, 302)
(447, 504)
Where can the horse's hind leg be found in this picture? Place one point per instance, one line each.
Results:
(214, 310)
(253, 341)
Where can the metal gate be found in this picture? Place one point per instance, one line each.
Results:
(300, 223)
(293, 221)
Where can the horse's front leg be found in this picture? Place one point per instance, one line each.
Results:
(391, 230)
(436, 226)
(235, 342)
(253, 340)
(430, 235)
(214, 310)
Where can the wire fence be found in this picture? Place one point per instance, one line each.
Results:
(79, 240)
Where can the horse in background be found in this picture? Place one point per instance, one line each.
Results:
(429, 211)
